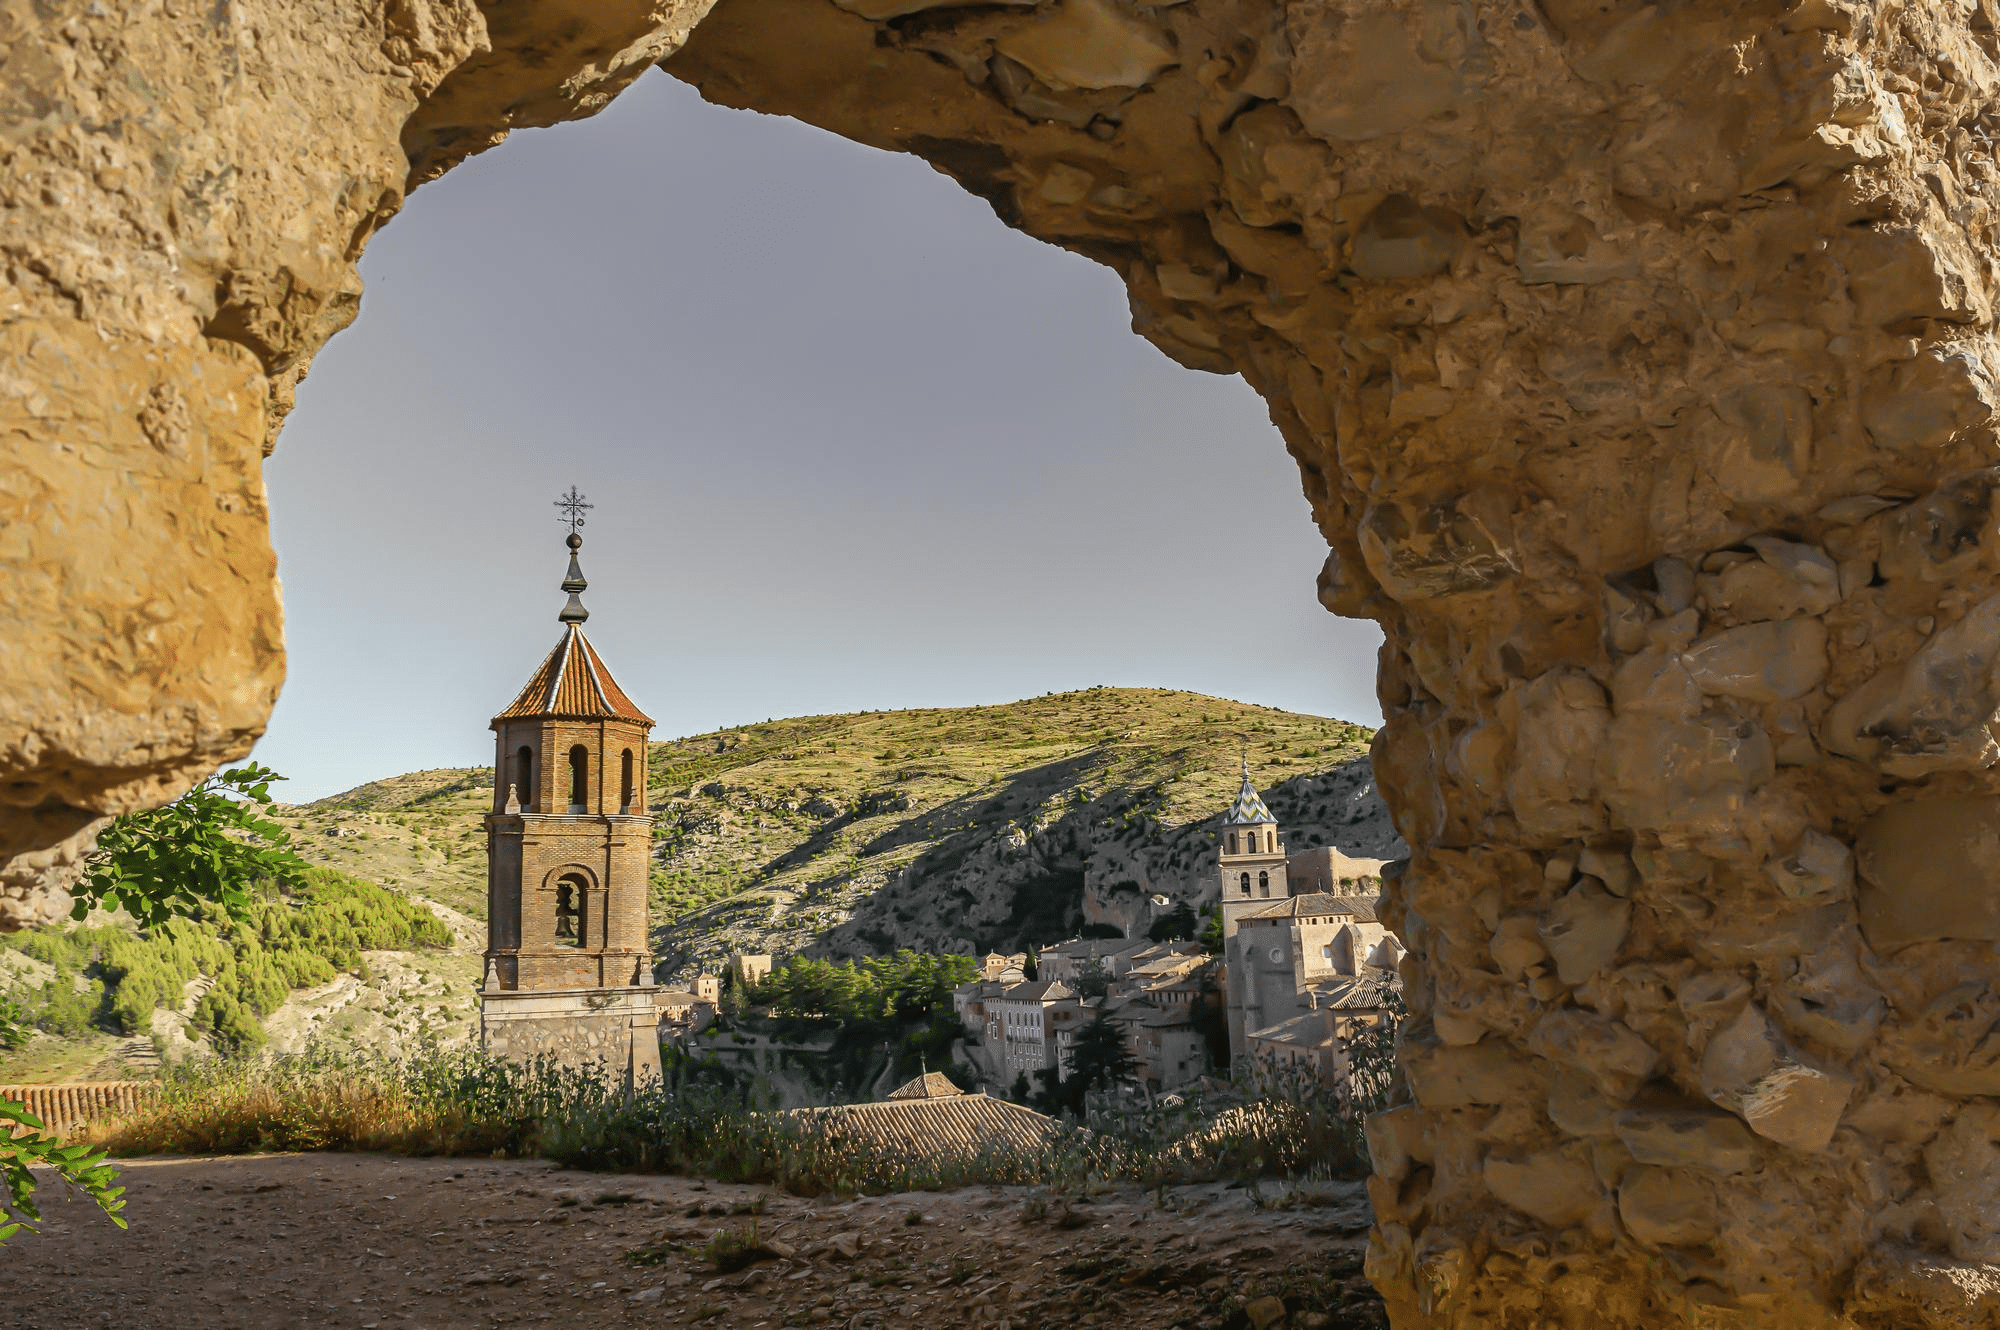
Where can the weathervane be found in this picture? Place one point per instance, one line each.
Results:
(573, 508)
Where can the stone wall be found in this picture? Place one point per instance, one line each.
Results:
(612, 1031)
(1638, 363)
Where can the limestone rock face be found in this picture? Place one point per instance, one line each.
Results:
(1639, 364)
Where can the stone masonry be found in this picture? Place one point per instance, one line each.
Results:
(1639, 365)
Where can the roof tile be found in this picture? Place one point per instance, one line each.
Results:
(573, 684)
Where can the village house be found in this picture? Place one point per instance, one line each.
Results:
(1071, 960)
(683, 1015)
(1317, 1042)
(1031, 1026)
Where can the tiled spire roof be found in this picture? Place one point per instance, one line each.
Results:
(1248, 810)
(573, 684)
(930, 1085)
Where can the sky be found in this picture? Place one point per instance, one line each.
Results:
(852, 445)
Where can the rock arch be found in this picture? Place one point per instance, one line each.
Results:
(1639, 365)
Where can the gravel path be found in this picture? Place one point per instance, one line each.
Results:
(360, 1241)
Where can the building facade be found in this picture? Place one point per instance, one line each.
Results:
(1032, 1023)
(568, 959)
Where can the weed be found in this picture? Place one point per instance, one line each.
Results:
(736, 1249)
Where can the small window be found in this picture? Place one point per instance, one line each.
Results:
(579, 778)
(524, 776)
(625, 782)
(1263, 884)
(1246, 884)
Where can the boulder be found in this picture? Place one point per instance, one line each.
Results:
(1584, 930)
(1930, 871)
(1610, 1053)
(1665, 1207)
(1760, 662)
(1687, 1138)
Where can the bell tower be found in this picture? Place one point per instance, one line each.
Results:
(1252, 858)
(569, 967)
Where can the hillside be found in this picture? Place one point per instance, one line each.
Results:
(957, 829)
(941, 829)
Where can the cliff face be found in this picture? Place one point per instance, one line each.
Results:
(974, 828)
(1639, 365)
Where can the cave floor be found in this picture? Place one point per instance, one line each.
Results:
(366, 1241)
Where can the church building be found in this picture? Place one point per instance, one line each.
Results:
(569, 966)
(1284, 954)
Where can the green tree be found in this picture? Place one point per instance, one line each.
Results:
(1176, 925)
(1211, 932)
(1098, 1060)
(1093, 979)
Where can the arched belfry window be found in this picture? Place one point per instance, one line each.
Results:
(1232, 842)
(523, 778)
(1246, 884)
(579, 778)
(571, 901)
(625, 782)
(1263, 884)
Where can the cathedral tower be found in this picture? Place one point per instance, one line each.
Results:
(1252, 861)
(569, 970)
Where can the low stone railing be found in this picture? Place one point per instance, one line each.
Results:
(67, 1105)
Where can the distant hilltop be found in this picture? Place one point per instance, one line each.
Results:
(965, 828)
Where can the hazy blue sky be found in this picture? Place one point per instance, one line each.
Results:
(853, 445)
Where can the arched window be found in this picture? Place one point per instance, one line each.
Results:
(1232, 842)
(1263, 884)
(1246, 884)
(579, 778)
(571, 899)
(625, 782)
(524, 776)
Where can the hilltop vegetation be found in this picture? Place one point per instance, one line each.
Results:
(110, 979)
(944, 829)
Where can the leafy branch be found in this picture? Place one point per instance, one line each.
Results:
(201, 849)
(78, 1167)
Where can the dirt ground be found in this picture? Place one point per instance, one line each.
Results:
(364, 1241)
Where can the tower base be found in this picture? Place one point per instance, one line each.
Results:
(612, 1031)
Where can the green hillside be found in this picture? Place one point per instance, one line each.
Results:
(937, 829)
(941, 830)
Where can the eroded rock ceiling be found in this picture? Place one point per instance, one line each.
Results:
(1638, 363)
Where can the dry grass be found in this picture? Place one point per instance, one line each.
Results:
(460, 1102)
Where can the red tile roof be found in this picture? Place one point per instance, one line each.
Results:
(930, 1085)
(953, 1128)
(573, 684)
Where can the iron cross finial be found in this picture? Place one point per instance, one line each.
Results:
(573, 508)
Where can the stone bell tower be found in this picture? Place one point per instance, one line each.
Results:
(1252, 858)
(569, 971)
